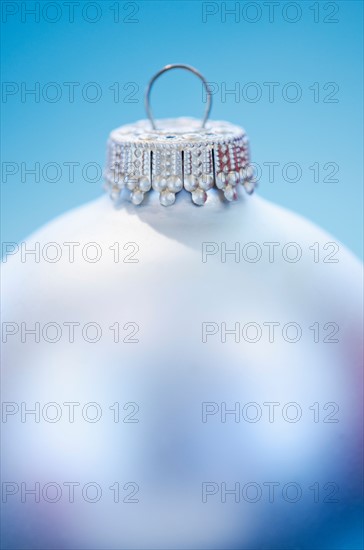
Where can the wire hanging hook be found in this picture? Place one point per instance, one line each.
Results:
(168, 68)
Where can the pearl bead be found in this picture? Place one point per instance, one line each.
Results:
(131, 182)
(249, 172)
(206, 182)
(115, 193)
(233, 178)
(167, 198)
(137, 197)
(230, 193)
(190, 183)
(159, 183)
(144, 184)
(220, 180)
(174, 184)
(199, 197)
(242, 174)
(249, 187)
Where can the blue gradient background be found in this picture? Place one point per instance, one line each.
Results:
(228, 51)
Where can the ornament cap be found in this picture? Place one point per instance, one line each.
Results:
(168, 155)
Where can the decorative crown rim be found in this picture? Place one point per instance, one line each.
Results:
(179, 155)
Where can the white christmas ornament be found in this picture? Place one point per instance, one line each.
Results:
(210, 356)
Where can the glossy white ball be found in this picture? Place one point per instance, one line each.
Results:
(174, 184)
(206, 182)
(159, 183)
(167, 198)
(144, 184)
(220, 180)
(199, 197)
(137, 197)
(230, 193)
(190, 183)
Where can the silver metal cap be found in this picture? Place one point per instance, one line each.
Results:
(173, 154)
